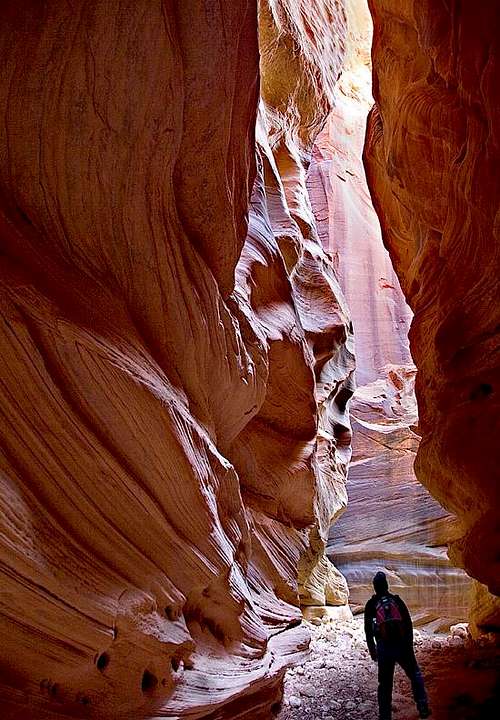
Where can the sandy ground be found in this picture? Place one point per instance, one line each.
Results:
(338, 681)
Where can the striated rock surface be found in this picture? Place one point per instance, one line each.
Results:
(176, 356)
(391, 521)
(347, 223)
(302, 53)
(432, 155)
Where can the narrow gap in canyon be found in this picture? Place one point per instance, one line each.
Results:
(391, 522)
(201, 332)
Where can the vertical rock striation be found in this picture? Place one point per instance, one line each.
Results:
(347, 223)
(391, 521)
(176, 355)
(431, 155)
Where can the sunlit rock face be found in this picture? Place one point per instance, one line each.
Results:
(391, 522)
(302, 54)
(432, 155)
(347, 223)
(176, 356)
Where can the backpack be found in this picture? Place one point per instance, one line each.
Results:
(388, 620)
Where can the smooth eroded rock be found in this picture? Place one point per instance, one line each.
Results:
(174, 377)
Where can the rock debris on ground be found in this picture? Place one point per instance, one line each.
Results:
(338, 681)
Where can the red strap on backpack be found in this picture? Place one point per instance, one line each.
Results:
(388, 620)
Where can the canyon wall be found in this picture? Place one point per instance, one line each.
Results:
(176, 355)
(391, 523)
(431, 156)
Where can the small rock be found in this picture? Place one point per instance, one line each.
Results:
(294, 702)
(299, 670)
(460, 630)
(367, 705)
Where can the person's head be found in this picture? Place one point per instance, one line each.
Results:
(380, 584)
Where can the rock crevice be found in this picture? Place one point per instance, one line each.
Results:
(431, 157)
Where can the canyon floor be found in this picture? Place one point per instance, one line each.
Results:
(338, 681)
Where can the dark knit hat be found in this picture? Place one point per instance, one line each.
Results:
(380, 583)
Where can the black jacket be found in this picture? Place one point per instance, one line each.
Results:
(370, 617)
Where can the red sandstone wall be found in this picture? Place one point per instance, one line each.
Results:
(432, 155)
(175, 356)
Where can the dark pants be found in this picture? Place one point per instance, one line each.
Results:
(387, 659)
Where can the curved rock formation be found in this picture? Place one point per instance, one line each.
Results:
(432, 155)
(302, 53)
(391, 521)
(176, 356)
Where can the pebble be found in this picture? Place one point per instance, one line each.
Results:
(367, 705)
(294, 702)
(460, 630)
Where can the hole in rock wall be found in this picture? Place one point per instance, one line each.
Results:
(171, 613)
(481, 391)
(149, 682)
(102, 661)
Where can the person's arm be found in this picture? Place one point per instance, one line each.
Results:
(405, 616)
(370, 640)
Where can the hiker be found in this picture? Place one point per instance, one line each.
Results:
(389, 635)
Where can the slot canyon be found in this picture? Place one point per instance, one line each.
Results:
(249, 312)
